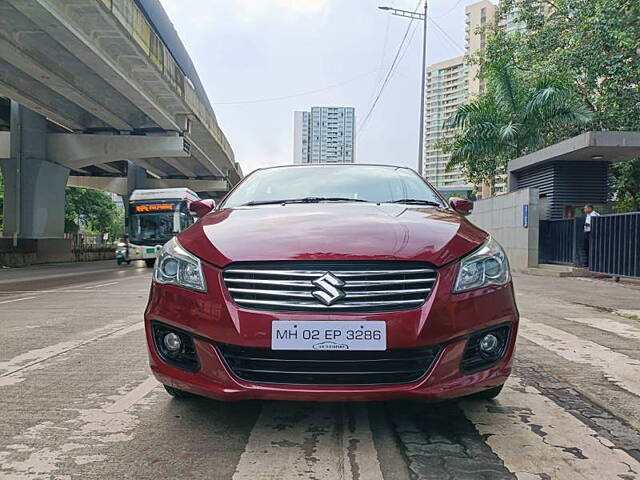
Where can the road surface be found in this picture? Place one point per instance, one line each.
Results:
(77, 400)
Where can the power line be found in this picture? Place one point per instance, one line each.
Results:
(389, 74)
(301, 94)
(450, 11)
(451, 41)
(413, 34)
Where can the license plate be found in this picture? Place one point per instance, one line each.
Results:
(151, 250)
(320, 335)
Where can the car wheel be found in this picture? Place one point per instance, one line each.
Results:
(175, 393)
(488, 394)
(150, 262)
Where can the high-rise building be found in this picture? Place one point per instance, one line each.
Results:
(446, 89)
(450, 84)
(324, 135)
(477, 15)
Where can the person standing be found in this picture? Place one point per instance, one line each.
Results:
(589, 214)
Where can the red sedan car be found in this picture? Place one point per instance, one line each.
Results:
(332, 282)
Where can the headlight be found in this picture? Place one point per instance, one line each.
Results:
(176, 266)
(486, 266)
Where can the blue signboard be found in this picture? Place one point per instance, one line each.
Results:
(525, 216)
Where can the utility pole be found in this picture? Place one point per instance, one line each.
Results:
(423, 73)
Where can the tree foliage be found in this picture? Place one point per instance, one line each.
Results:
(593, 44)
(92, 210)
(514, 116)
(627, 186)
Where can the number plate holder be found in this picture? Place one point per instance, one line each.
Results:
(328, 335)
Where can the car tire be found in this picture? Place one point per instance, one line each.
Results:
(175, 393)
(150, 262)
(488, 394)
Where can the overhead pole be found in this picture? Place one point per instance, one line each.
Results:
(423, 72)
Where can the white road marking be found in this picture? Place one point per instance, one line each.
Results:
(30, 457)
(16, 367)
(292, 441)
(134, 396)
(616, 367)
(101, 285)
(77, 288)
(17, 300)
(536, 438)
(611, 326)
(113, 292)
(632, 314)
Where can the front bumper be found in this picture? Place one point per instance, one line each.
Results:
(445, 320)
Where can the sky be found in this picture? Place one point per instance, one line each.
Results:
(261, 60)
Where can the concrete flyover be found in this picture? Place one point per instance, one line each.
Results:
(101, 94)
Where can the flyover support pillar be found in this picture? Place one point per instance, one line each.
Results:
(34, 188)
(136, 179)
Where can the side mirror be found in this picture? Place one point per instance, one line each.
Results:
(461, 205)
(200, 208)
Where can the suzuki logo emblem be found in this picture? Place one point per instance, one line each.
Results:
(328, 291)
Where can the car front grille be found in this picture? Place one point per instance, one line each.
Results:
(287, 367)
(349, 287)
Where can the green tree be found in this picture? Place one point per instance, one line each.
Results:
(514, 116)
(90, 209)
(593, 44)
(626, 186)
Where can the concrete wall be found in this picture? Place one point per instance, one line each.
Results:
(54, 250)
(502, 216)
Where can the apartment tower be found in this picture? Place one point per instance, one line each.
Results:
(324, 135)
(450, 84)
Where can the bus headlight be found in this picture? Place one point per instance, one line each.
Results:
(176, 266)
(486, 266)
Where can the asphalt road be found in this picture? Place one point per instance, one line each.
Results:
(77, 400)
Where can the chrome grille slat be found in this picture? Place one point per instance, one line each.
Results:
(346, 273)
(303, 294)
(273, 293)
(261, 281)
(302, 283)
(299, 286)
(319, 306)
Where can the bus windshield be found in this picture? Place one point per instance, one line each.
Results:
(152, 228)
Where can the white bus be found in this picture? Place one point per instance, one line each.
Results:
(155, 216)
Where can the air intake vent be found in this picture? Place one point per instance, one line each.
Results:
(330, 286)
(186, 145)
(263, 365)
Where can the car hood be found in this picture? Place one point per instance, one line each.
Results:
(331, 231)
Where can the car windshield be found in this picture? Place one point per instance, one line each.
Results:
(367, 183)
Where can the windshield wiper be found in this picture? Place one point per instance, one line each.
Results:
(415, 201)
(325, 199)
(303, 200)
(262, 202)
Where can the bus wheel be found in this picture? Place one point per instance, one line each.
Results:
(150, 262)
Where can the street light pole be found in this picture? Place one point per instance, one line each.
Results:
(423, 72)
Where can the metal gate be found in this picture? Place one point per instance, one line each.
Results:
(561, 241)
(615, 245)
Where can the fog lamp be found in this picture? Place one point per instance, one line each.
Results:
(489, 344)
(172, 342)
